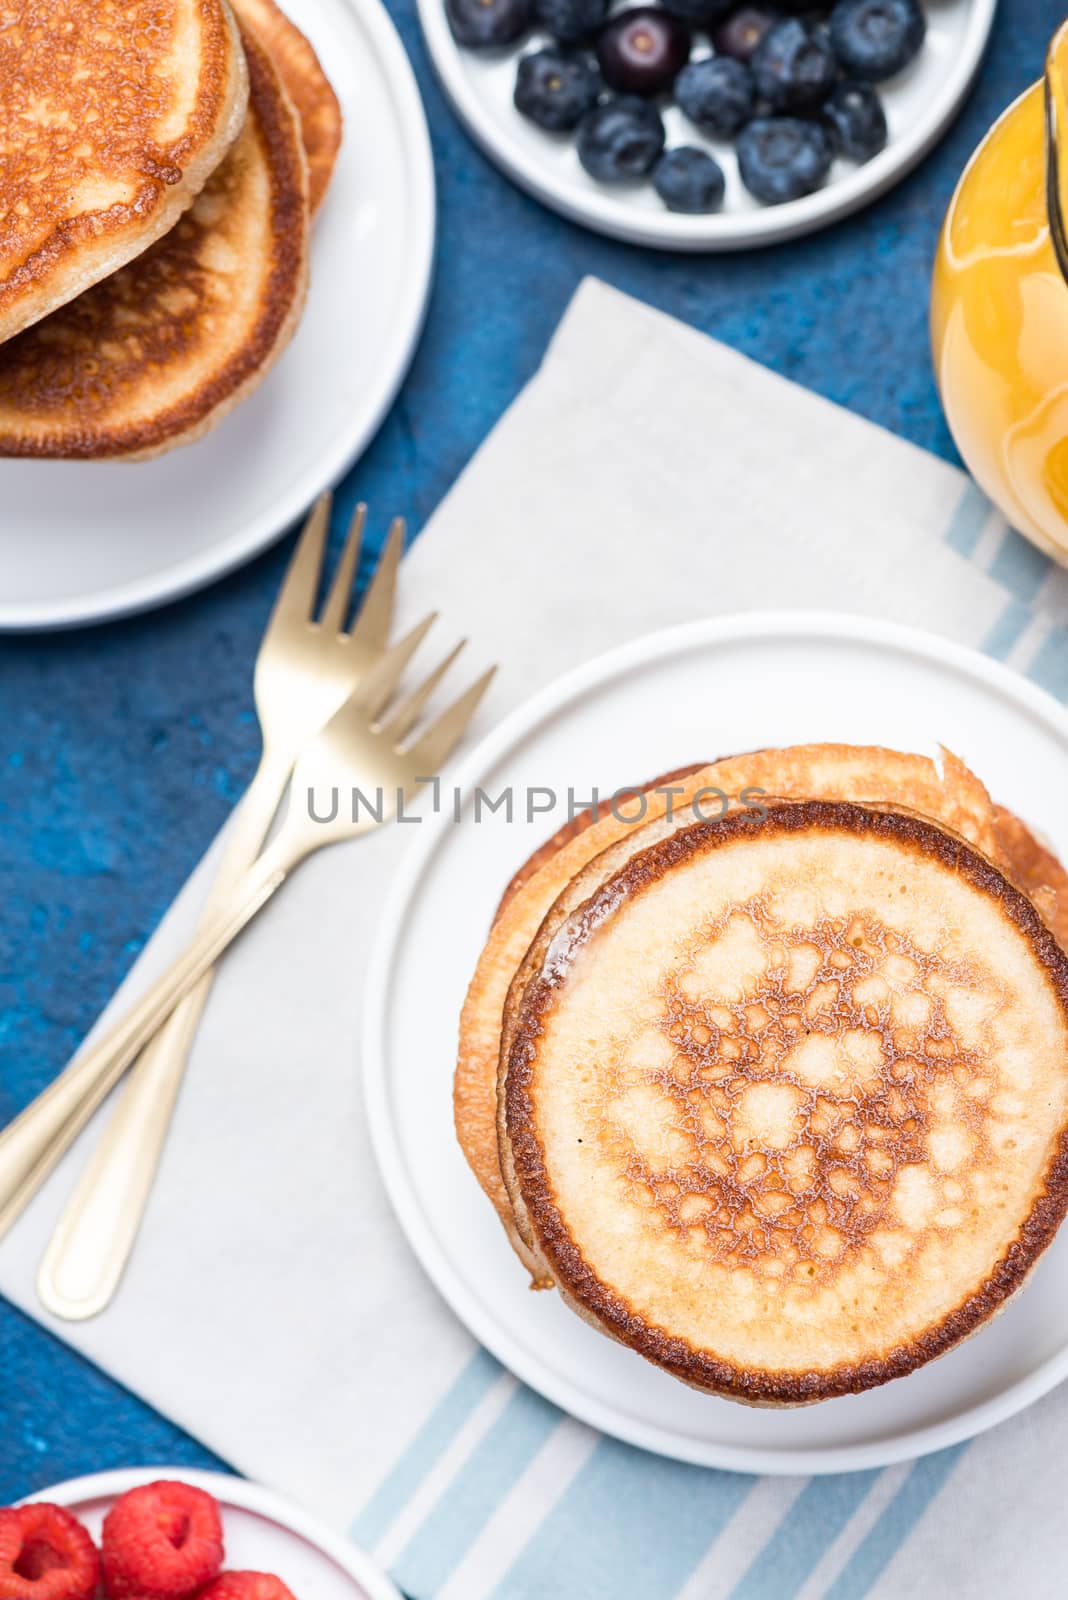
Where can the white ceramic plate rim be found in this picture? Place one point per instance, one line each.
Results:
(730, 230)
(941, 653)
(180, 578)
(235, 1492)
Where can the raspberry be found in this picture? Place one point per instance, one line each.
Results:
(161, 1542)
(247, 1586)
(46, 1554)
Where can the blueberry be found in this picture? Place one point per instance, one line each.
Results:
(555, 90)
(782, 158)
(792, 69)
(487, 24)
(699, 12)
(570, 21)
(642, 49)
(621, 140)
(854, 114)
(743, 30)
(873, 39)
(716, 94)
(688, 179)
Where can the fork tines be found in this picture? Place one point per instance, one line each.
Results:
(435, 744)
(296, 603)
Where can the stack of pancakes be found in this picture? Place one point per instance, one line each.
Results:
(160, 161)
(775, 1091)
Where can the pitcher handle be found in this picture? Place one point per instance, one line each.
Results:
(1056, 96)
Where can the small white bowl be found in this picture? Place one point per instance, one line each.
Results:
(920, 104)
(263, 1533)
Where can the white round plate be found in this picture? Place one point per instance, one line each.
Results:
(920, 104)
(86, 541)
(689, 694)
(262, 1532)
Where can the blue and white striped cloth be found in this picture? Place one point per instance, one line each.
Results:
(463, 1513)
(317, 1358)
(1031, 632)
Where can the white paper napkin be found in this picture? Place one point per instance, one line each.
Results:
(646, 475)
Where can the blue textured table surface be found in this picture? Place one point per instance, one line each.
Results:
(123, 748)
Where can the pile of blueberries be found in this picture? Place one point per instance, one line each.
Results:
(792, 86)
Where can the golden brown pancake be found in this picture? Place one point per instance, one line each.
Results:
(154, 356)
(954, 797)
(112, 119)
(788, 1099)
(308, 87)
(485, 1033)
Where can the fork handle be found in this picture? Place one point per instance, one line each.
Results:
(91, 1244)
(32, 1144)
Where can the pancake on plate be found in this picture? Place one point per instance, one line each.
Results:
(113, 119)
(308, 87)
(159, 352)
(788, 1100)
(953, 796)
(952, 815)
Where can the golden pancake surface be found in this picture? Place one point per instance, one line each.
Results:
(114, 116)
(161, 350)
(539, 916)
(787, 1101)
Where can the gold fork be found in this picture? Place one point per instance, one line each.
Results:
(305, 668)
(364, 761)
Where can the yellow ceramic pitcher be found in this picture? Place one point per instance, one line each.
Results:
(999, 310)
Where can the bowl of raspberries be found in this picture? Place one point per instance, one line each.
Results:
(142, 1536)
(706, 124)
